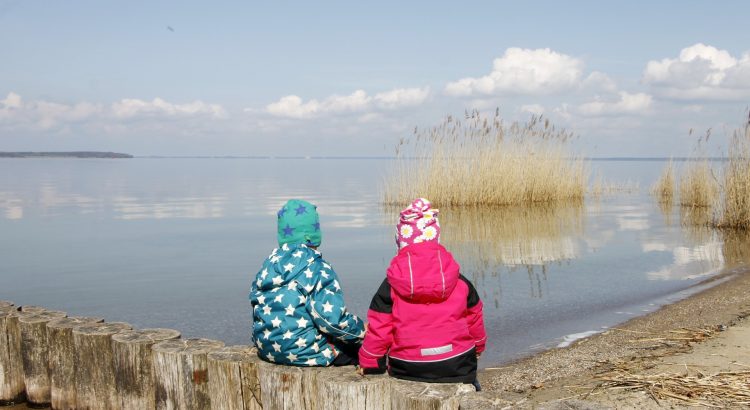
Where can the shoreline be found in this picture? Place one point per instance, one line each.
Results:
(723, 304)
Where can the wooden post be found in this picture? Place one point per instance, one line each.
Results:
(35, 353)
(287, 387)
(343, 388)
(95, 374)
(181, 373)
(11, 365)
(233, 379)
(408, 395)
(62, 360)
(484, 400)
(32, 309)
(134, 366)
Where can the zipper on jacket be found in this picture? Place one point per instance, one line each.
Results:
(411, 276)
(442, 275)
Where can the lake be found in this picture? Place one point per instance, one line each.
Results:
(174, 242)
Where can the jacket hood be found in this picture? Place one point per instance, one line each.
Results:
(284, 265)
(423, 272)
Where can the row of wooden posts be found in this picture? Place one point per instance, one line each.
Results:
(85, 363)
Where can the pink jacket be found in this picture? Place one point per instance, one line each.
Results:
(426, 317)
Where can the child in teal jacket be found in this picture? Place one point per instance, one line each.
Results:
(299, 316)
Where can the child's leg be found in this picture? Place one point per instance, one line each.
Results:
(476, 385)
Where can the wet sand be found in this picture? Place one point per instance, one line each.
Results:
(546, 380)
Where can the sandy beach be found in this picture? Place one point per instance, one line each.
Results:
(704, 334)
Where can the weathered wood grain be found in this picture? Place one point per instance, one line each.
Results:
(483, 401)
(6, 303)
(35, 353)
(33, 309)
(11, 364)
(233, 378)
(343, 388)
(181, 373)
(286, 387)
(95, 373)
(62, 360)
(408, 395)
(134, 367)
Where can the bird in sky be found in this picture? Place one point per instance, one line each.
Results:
(170, 28)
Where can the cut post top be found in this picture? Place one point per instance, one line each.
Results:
(234, 354)
(40, 317)
(101, 329)
(73, 321)
(188, 346)
(146, 336)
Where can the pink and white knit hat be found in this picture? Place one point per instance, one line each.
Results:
(417, 223)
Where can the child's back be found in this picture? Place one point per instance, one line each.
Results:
(425, 316)
(298, 307)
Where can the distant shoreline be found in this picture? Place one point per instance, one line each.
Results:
(70, 154)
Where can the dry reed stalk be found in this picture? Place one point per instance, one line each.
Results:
(698, 186)
(663, 189)
(736, 205)
(482, 161)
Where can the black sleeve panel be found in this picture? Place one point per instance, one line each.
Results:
(382, 301)
(473, 297)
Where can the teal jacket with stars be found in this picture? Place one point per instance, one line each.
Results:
(298, 309)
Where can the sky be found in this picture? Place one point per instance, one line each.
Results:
(351, 78)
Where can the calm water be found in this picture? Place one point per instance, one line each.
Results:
(174, 243)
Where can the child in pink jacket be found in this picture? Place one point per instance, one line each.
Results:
(426, 317)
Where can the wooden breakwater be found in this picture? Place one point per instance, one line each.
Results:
(48, 358)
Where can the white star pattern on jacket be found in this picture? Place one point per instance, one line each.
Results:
(299, 274)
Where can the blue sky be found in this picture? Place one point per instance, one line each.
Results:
(339, 78)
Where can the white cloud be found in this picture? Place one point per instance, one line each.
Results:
(599, 81)
(627, 104)
(292, 106)
(46, 115)
(356, 101)
(131, 107)
(402, 97)
(533, 108)
(13, 100)
(700, 72)
(523, 71)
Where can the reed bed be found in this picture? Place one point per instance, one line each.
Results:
(664, 188)
(698, 186)
(479, 161)
(736, 200)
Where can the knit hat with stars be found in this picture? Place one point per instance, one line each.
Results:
(299, 223)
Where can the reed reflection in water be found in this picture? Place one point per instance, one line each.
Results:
(489, 240)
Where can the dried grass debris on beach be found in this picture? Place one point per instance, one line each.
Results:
(685, 336)
(717, 390)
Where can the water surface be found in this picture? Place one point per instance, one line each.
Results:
(175, 242)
